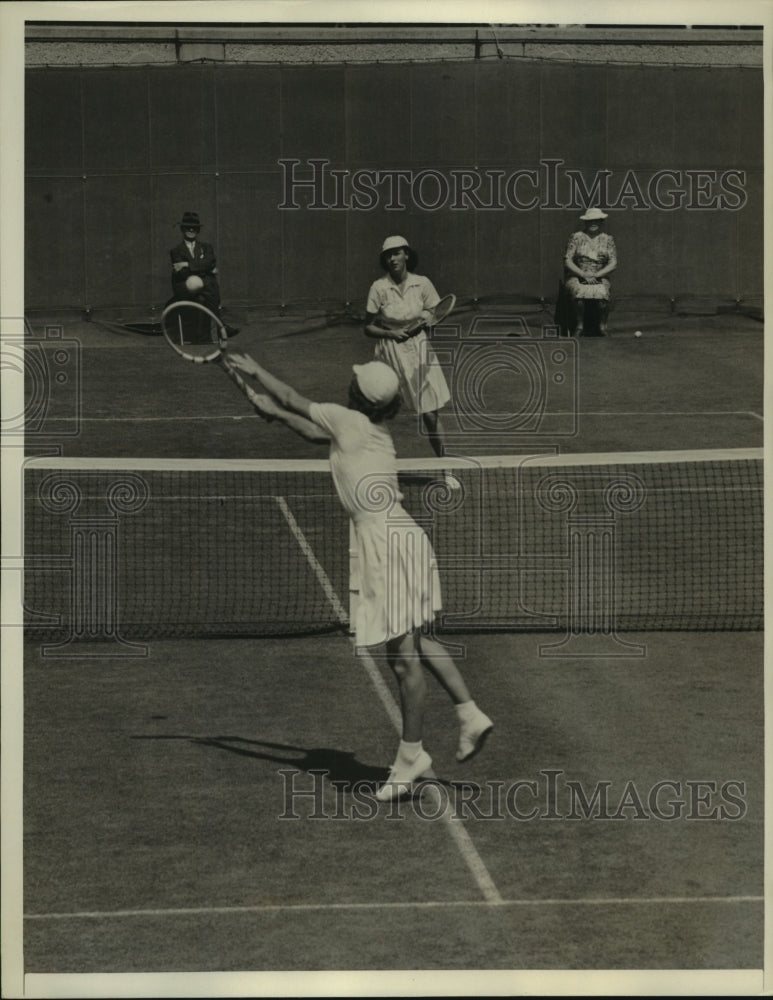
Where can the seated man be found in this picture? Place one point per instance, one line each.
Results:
(194, 269)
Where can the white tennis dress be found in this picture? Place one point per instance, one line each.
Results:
(423, 385)
(399, 580)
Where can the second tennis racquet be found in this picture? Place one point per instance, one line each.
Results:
(443, 308)
(198, 335)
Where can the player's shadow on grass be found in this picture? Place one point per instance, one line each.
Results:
(341, 765)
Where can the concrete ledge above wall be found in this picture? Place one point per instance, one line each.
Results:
(136, 44)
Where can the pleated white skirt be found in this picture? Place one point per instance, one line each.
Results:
(423, 385)
(399, 584)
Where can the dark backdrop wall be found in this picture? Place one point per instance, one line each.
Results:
(114, 156)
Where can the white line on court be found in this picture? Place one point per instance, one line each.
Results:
(321, 575)
(455, 827)
(258, 908)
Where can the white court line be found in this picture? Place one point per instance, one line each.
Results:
(321, 575)
(455, 827)
(182, 911)
(666, 413)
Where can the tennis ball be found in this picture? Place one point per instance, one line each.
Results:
(638, 333)
(194, 283)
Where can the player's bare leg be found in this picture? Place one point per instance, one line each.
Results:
(435, 431)
(474, 725)
(412, 760)
(437, 660)
(578, 329)
(437, 439)
(603, 313)
(405, 662)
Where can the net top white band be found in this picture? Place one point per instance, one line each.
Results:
(448, 464)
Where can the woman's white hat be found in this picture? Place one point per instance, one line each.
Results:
(394, 243)
(593, 213)
(377, 382)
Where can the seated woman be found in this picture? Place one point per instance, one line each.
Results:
(590, 256)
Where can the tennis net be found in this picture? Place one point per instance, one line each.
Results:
(146, 548)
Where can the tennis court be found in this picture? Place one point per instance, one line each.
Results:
(689, 382)
(201, 739)
(155, 790)
(202, 804)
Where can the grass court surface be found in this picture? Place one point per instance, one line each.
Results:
(153, 792)
(689, 382)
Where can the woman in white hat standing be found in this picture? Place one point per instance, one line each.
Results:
(399, 582)
(590, 256)
(394, 302)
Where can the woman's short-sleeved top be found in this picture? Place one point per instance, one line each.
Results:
(363, 462)
(397, 306)
(591, 253)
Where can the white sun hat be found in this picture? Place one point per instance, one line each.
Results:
(394, 243)
(593, 213)
(377, 382)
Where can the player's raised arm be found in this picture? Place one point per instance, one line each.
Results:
(269, 409)
(287, 406)
(283, 393)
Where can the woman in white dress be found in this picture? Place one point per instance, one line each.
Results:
(399, 587)
(394, 302)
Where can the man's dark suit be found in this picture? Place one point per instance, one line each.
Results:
(201, 263)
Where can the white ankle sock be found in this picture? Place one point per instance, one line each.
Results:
(466, 710)
(409, 751)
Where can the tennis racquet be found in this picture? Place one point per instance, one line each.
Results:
(197, 335)
(439, 313)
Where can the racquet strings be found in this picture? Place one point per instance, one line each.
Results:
(439, 313)
(443, 308)
(193, 331)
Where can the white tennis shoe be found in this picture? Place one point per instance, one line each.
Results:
(402, 776)
(473, 735)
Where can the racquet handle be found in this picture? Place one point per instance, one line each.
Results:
(257, 401)
(439, 313)
(230, 370)
(416, 327)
